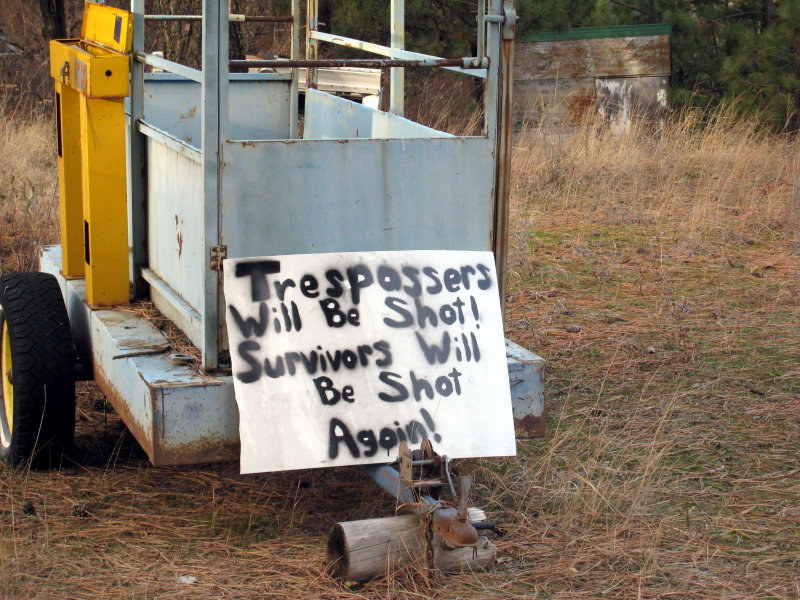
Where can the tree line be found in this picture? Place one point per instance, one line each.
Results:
(743, 51)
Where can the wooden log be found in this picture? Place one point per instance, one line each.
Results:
(362, 550)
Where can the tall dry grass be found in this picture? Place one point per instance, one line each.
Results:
(671, 463)
(28, 188)
(714, 176)
(657, 271)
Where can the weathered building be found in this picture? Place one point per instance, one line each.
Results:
(560, 78)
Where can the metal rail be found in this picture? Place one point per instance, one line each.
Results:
(233, 18)
(169, 66)
(376, 63)
(397, 53)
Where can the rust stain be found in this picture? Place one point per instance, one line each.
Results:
(205, 450)
(455, 530)
(179, 236)
(530, 426)
(503, 174)
(602, 57)
(579, 105)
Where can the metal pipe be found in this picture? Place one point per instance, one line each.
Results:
(137, 203)
(233, 18)
(214, 116)
(504, 41)
(377, 63)
(312, 46)
(294, 95)
(398, 42)
(481, 27)
(388, 478)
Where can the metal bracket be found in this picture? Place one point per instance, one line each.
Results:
(218, 254)
(511, 18)
(508, 20)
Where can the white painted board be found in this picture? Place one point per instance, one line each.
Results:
(338, 357)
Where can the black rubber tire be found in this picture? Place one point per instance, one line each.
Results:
(42, 374)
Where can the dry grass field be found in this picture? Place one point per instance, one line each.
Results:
(657, 274)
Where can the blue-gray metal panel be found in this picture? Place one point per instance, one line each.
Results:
(197, 422)
(171, 142)
(356, 195)
(173, 307)
(259, 106)
(525, 373)
(329, 117)
(175, 243)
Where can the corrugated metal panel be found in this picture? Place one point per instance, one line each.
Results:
(608, 57)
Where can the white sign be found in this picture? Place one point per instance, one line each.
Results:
(337, 358)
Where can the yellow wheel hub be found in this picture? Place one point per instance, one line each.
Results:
(5, 374)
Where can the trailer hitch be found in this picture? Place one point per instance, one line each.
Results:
(445, 533)
(423, 473)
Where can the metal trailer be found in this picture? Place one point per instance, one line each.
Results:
(163, 175)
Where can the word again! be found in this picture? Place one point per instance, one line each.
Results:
(368, 441)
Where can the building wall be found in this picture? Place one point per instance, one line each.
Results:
(558, 83)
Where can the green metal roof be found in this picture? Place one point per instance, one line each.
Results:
(590, 33)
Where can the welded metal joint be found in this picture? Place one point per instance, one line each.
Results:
(217, 255)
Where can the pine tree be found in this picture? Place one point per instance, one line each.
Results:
(763, 75)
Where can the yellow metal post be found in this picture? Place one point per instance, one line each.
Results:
(92, 78)
(105, 211)
(69, 180)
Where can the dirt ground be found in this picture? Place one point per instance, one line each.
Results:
(657, 274)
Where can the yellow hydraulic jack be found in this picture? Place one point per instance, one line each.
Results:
(91, 79)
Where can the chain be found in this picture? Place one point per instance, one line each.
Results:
(429, 554)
